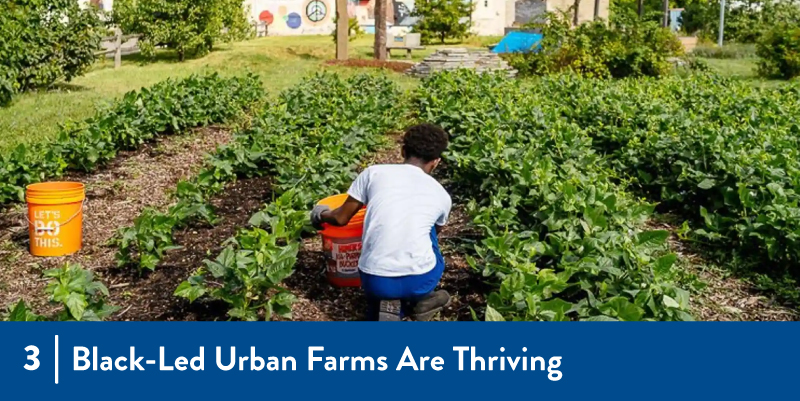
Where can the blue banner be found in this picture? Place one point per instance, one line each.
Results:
(405, 361)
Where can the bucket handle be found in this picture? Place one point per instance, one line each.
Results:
(30, 223)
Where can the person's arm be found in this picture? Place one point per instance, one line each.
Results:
(341, 216)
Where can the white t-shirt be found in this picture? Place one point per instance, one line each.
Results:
(403, 204)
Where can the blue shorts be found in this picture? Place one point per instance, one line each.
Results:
(407, 288)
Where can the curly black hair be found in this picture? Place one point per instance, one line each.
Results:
(424, 141)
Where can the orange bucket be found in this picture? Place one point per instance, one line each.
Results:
(342, 246)
(55, 217)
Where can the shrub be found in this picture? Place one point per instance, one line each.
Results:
(44, 42)
(779, 52)
(354, 30)
(185, 26)
(625, 47)
(442, 19)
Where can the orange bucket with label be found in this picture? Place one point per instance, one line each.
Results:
(342, 245)
(55, 217)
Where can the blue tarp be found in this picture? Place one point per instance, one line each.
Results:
(518, 42)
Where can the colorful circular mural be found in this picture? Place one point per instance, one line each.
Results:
(316, 10)
(266, 17)
(293, 20)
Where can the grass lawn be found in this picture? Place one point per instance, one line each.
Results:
(280, 61)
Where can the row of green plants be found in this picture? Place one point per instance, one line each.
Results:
(311, 143)
(720, 153)
(168, 107)
(75, 295)
(562, 238)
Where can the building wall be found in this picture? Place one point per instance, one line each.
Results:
(315, 17)
(489, 17)
(585, 9)
(528, 10)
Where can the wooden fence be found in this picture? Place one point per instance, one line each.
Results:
(117, 45)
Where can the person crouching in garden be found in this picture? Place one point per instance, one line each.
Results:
(400, 263)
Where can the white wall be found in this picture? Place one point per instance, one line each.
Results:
(489, 17)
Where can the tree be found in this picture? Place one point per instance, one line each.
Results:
(576, 6)
(443, 19)
(186, 26)
(42, 42)
(380, 30)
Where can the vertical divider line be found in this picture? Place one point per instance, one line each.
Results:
(56, 359)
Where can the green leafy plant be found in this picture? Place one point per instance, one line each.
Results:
(354, 30)
(20, 312)
(75, 290)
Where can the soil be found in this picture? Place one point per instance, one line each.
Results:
(396, 66)
(725, 298)
(115, 196)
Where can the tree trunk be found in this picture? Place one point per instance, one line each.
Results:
(380, 30)
(641, 9)
(666, 13)
(342, 29)
(576, 6)
(181, 55)
(596, 10)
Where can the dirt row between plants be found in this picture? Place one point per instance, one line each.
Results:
(318, 300)
(725, 297)
(115, 196)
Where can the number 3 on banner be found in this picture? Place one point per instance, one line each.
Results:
(34, 361)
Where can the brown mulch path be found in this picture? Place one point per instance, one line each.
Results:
(725, 298)
(396, 66)
(153, 292)
(318, 300)
(115, 196)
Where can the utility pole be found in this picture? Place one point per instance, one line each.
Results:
(721, 22)
(641, 9)
(666, 13)
(342, 29)
(596, 10)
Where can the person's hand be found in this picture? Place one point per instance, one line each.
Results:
(316, 215)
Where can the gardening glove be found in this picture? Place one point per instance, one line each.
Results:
(316, 215)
